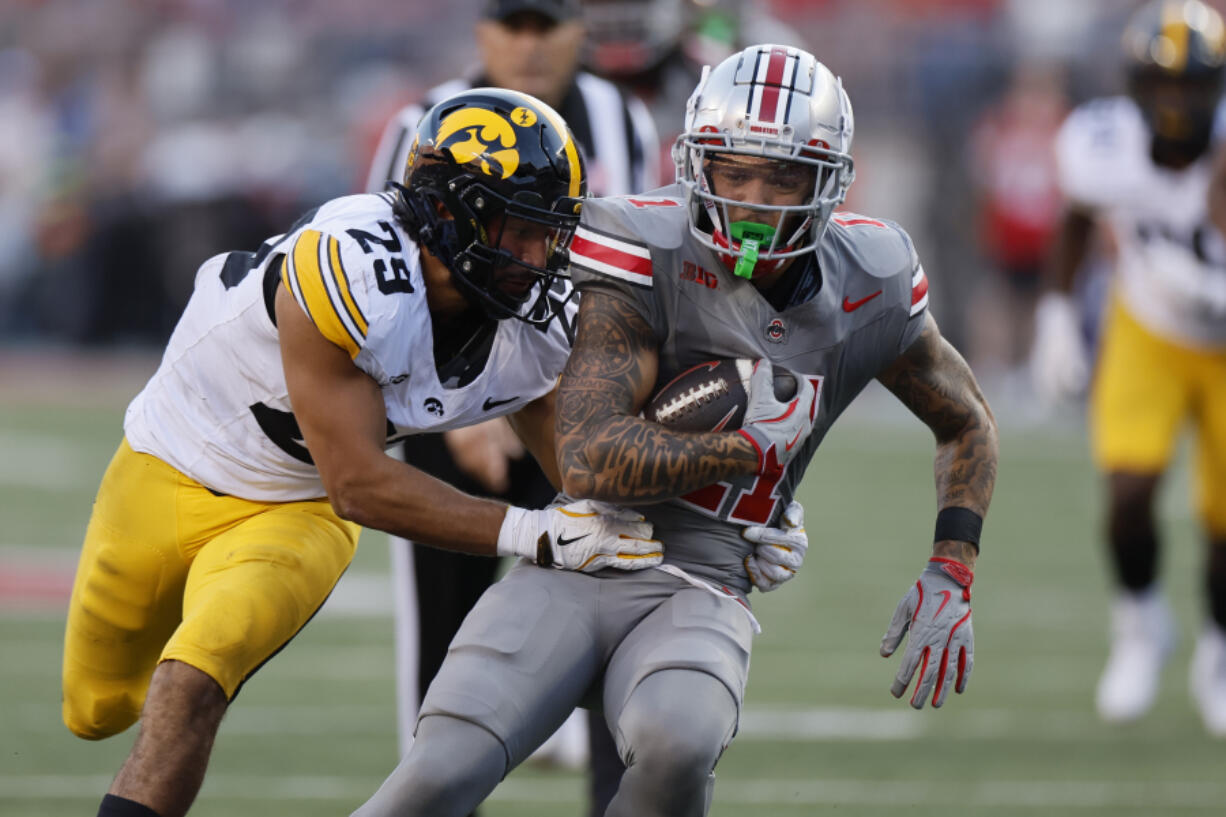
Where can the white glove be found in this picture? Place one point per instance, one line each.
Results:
(777, 428)
(778, 552)
(937, 611)
(1059, 364)
(582, 535)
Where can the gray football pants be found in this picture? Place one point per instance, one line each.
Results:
(674, 660)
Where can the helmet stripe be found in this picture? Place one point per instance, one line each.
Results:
(576, 169)
(774, 81)
(568, 146)
(1175, 30)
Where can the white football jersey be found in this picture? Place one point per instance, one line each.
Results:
(1170, 257)
(217, 408)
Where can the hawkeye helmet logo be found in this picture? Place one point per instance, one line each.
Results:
(480, 135)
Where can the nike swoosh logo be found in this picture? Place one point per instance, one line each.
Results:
(851, 306)
(563, 541)
(727, 418)
(491, 403)
(944, 602)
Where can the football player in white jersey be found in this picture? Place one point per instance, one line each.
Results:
(744, 259)
(1138, 167)
(257, 449)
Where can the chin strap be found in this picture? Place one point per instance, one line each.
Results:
(416, 212)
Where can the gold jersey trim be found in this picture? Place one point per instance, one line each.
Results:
(325, 296)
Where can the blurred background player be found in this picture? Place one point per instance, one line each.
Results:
(656, 49)
(1013, 167)
(531, 46)
(1139, 166)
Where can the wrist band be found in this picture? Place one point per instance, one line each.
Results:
(960, 525)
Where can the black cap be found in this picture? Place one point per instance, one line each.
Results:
(556, 10)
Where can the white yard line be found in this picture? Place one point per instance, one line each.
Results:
(1041, 795)
(770, 723)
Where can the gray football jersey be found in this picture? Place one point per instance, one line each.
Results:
(863, 307)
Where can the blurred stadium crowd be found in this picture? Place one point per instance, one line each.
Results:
(141, 136)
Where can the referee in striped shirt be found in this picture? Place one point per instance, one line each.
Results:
(532, 46)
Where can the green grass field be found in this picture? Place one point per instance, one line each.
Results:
(314, 732)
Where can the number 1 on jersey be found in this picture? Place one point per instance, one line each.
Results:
(755, 506)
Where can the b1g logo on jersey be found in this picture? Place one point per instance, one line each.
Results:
(776, 331)
(480, 136)
(692, 272)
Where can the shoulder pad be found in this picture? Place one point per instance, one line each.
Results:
(883, 250)
(616, 236)
(880, 247)
(658, 217)
(327, 270)
(1093, 140)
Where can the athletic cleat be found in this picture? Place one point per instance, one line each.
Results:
(1207, 679)
(1142, 639)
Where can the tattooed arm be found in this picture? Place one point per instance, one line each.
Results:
(933, 380)
(605, 451)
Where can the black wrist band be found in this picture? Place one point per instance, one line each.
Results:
(960, 525)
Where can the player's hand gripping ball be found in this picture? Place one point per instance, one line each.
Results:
(711, 396)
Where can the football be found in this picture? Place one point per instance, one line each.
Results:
(711, 396)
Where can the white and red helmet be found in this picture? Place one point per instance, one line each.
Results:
(777, 102)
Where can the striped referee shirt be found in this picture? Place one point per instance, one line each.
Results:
(614, 130)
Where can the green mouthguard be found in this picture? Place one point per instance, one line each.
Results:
(752, 236)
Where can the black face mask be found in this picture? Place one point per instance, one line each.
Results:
(1180, 116)
(1179, 153)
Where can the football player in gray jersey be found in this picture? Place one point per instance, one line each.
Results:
(744, 258)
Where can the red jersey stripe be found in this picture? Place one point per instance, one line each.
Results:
(613, 257)
(848, 222)
(919, 291)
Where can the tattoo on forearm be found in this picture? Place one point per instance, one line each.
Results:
(934, 382)
(604, 450)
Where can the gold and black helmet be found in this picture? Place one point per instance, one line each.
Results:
(506, 170)
(1175, 53)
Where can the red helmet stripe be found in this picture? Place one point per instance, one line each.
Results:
(774, 81)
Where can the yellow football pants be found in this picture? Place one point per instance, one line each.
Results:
(170, 570)
(1145, 389)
